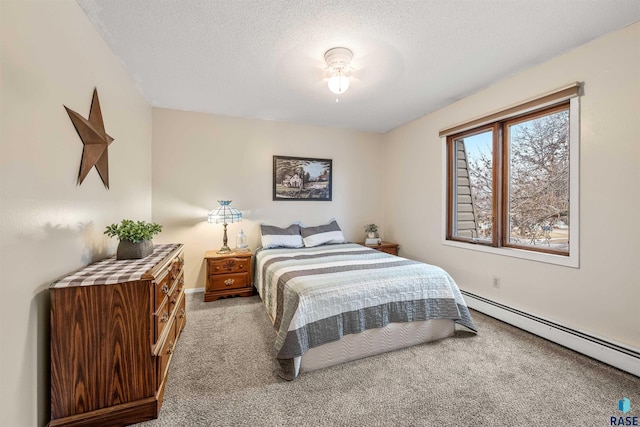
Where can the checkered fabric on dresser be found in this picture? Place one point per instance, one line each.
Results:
(110, 270)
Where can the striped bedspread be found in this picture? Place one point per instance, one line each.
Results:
(318, 295)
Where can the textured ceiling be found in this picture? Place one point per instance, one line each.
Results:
(264, 58)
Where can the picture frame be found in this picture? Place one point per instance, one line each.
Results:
(302, 178)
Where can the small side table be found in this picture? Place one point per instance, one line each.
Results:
(228, 275)
(388, 247)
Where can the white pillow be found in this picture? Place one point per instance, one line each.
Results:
(276, 237)
(322, 235)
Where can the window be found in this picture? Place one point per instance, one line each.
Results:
(509, 180)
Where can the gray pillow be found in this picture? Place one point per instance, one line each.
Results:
(276, 237)
(322, 235)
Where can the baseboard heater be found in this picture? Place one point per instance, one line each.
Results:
(617, 355)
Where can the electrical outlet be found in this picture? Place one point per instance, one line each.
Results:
(495, 281)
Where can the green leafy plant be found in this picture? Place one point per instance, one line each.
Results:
(133, 231)
(371, 228)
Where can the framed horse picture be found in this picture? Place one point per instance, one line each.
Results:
(302, 178)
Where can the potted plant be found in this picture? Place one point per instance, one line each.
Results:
(135, 238)
(371, 230)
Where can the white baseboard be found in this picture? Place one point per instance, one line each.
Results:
(614, 354)
(193, 290)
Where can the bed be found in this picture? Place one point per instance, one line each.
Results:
(334, 303)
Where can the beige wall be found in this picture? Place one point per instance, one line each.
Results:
(602, 297)
(199, 159)
(51, 55)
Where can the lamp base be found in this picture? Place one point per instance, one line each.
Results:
(225, 250)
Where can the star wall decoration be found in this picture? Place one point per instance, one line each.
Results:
(95, 141)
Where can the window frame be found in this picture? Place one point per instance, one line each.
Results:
(451, 180)
(500, 163)
(504, 242)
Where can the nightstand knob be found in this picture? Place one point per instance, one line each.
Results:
(229, 282)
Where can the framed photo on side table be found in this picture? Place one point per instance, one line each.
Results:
(302, 178)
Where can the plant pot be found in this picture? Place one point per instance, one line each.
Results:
(371, 235)
(129, 250)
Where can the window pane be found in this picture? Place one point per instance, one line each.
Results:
(474, 186)
(538, 184)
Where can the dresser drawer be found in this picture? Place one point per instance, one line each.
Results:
(161, 319)
(168, 307)
(167, 350)
(176, 267)
(181, 314)
(176, 292)
(227, 281)
(228, 265)
(162, 288)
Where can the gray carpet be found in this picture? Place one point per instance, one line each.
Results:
(223, 373)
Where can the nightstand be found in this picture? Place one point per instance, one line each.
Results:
(228, 275)
(388, 247)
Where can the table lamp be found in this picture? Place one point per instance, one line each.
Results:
(224, 214)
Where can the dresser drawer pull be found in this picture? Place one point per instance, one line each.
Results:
(164, 318)
(229, 282)
(165, 289)
(182, 314)
(170, 348)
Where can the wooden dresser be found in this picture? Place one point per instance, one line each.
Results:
(114, 326)
(228, 275)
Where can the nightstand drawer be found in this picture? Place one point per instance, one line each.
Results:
(387, 247)
(227, 281)
(392, 251)
(229, 265)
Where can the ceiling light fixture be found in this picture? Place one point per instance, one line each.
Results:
(339, 65)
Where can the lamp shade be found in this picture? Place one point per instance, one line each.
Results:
(224, 214)
(338, 83)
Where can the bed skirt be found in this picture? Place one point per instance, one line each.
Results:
(370, 342)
